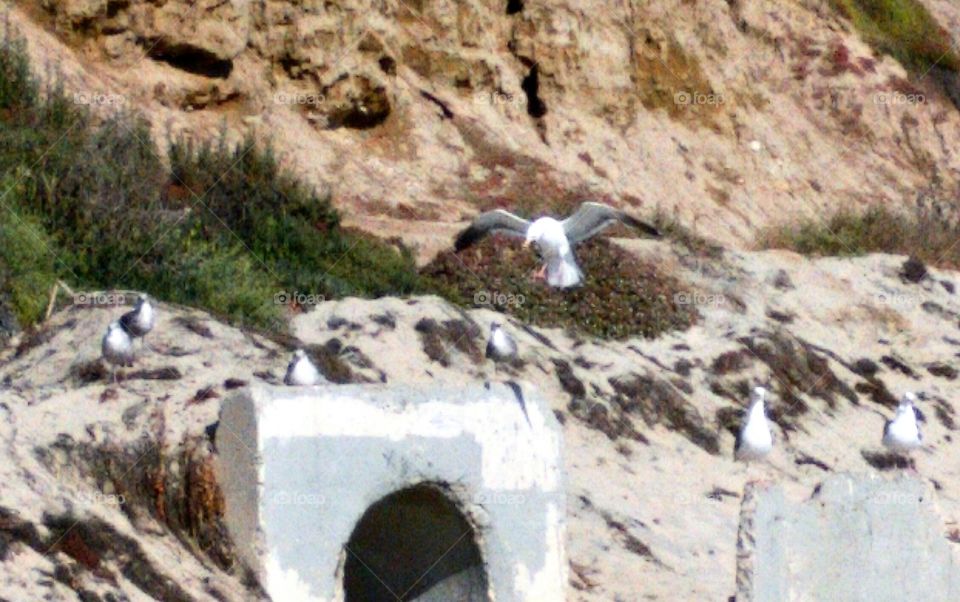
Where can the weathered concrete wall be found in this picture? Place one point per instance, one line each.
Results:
(299, 467)
(859, 538)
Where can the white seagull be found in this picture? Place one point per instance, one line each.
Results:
(117, 347)
(139, 321)
(754, 441)
(553, 238)
(301, 372)
(500, 347)
(902, 434)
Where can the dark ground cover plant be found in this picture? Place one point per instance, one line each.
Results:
(622, 296)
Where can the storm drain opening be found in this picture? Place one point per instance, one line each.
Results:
(414, 544)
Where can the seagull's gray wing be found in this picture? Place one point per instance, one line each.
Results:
(485, 223)
(591, 218)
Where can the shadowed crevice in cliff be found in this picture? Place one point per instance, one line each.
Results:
(356, 103)
(189, 58)
(530, 85)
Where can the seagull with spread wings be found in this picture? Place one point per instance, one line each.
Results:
(553, 238)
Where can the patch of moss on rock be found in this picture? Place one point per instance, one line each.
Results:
(622, 296)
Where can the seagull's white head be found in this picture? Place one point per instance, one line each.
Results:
(534, 232)
(494, 326)
(758, 395)
(548, 234)
(299, 354)
(909, 398)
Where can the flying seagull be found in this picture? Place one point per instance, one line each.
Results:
(754, 441)
(139, 321)
(553, 238)
(902, 434)
(500, 347)
(117, 347)
(301, 372)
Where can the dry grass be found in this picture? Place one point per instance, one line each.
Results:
(931, 233)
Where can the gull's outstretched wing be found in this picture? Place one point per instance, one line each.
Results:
(491, 221)
(591, 218)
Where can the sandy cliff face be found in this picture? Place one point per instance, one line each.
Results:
(733, 115)
(415, 114)
(654, 494)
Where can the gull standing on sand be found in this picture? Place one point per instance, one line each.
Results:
(301, 372)
(139, 321)
(754, 441)
(500, 347)
(553, 238)
(117, 347)
(902, 434)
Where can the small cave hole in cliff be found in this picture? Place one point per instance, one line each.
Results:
(191, 59)
(514, 6)
(364, 113)
(412, 541)
(531, 86)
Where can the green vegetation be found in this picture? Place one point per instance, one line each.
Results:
(26, 264)
(621, 296)
(905, 30)
(927, 234)
(223, 229)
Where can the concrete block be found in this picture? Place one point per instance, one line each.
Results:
(857, 538)
(370, 492)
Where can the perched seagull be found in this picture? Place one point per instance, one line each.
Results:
(754, 441)
(553, 238)
(500, 347)
(117, 347)
(301, 372)
(902, 434)
(139, 321)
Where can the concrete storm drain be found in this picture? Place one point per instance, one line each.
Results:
(367, 493)
(407, 543)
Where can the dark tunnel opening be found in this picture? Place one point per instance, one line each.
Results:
(414, 542)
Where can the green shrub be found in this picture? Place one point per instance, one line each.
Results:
(286, 224)
(905, 30)
(27, 259)
(224, 229)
